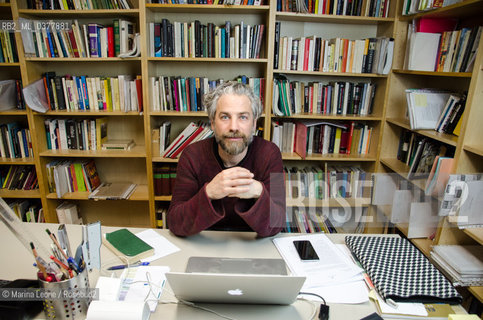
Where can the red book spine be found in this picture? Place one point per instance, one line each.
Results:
(110, 42)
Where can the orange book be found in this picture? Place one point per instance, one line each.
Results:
(300, 143)
(345, 48)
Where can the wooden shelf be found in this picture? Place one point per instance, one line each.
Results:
(9, 64)
(179, 113)
(113, 59)
(136, 152)
(139, 194)
(331, 74)
(162, 198)
(449, 139)
(477, 292)
(20, 193)
(475, 233)
(17, 161)
(402, 169)
(84, 113)
(13, 113)
(423, 244)
(203, 8)
(161, 159)
(223, 60)
(474, 149)
(97, 13)
(461, 9)
(332, 202)
(330, 157)
(434, 74)
(330, 18)
(313, 116)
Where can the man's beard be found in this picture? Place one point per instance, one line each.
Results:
(233, 148)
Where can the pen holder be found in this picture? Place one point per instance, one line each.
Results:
(70, 306)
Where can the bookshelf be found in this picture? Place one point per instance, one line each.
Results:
(466, 147)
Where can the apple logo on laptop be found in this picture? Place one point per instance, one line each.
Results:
(235, 292)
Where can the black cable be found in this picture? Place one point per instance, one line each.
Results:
(313, 294)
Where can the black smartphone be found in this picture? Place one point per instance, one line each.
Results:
(305, 250)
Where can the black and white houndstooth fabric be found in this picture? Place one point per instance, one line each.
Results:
(399, 271)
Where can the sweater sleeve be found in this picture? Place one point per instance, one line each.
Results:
(267, 215)
(191, 211)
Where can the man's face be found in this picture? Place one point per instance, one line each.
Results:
(233, 123)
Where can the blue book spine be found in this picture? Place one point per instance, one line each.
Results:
(62, 45)
(79, 93)
(85, 95)
(51, 44)
(25, 143)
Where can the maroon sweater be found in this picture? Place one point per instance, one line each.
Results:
(191, 211)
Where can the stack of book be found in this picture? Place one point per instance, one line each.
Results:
(342, 98)
(371, 8)
(113, 191)
(59, 39)
(164, 179)
(28, 210)
(464, 264)
(75, 134)
(118, 144)
(72, 176)
(18, 178)
(195, 40)
(8, 47)
(78, 5)
(186, 93)
(414, 6)
(15, 142)
(192, 133)
(320, 137)
(371, 55)
(435, 45)
(121, 93)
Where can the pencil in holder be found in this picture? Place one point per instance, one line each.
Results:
(64, 305)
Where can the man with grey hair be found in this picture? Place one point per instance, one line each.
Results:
(233, 181)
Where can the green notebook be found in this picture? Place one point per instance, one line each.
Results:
(126, 244)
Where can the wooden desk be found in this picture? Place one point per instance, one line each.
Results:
(17, 263)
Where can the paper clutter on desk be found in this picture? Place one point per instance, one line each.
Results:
(118, 310)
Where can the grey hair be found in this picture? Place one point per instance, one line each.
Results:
(231, 87)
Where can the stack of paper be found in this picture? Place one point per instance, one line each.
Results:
(463, 263)
(334, 276)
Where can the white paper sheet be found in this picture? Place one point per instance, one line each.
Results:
(162, 246)
(334, 274)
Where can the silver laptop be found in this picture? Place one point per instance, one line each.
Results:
(236, 265)
(235, 288)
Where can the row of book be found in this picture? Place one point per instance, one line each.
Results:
(311, 220)
(325, 183)
(192, 133)
(8, 47)
(186, 93)
(371, 55)
(15, 142)
(214, 2)
(71, 40)
(367, 8)
(419, 153)
(436, 45)
(11, 96)
(164, 178)
(72, 176)
(78, 4)
(319, 137)
(194, 40)
(18, 178)
(121, 93)
(75, 134)
(435, 109)
(337, 98)
(28, 210)
(415, 6)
